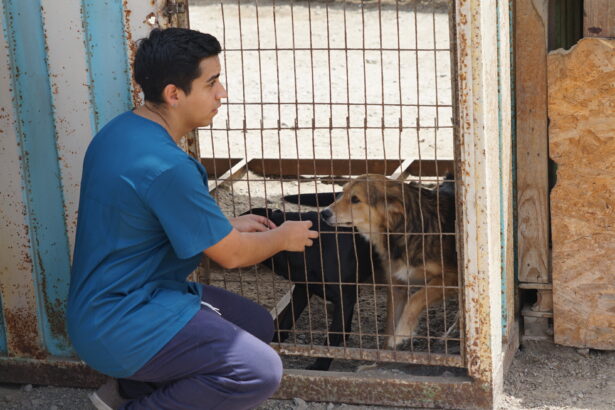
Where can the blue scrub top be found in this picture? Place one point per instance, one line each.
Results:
(145, 217)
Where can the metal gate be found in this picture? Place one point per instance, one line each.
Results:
(320, 92)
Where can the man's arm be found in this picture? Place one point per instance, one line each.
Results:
(239, 249)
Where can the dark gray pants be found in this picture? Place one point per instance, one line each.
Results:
(214, 362)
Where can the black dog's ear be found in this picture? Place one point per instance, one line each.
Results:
(320, 199)
(261, 211)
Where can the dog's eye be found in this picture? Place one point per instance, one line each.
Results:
(355, 199)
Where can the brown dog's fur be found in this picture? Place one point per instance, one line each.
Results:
(394, 216)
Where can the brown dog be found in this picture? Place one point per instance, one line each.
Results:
(412, 229)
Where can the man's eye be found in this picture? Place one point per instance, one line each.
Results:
(355, 199)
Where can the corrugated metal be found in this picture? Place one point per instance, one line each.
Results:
(68, 73)
(59, 84)
(39, 169)
(16, 286)
(107, 61)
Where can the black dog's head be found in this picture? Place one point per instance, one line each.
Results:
(336, 246)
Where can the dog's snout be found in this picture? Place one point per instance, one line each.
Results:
(327, 215)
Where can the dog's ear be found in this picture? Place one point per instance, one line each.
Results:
(395, 214)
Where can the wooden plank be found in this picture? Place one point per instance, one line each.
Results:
(582, 143)
(282, 303)
(240, 168)
(292, 167)
(599, 18)
(528, 312)
(532, 156)
(535, 286)
(544, 301)
(216, 167)
(430, 167)
(403, 171)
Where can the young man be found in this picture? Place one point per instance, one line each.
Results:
(145, 217)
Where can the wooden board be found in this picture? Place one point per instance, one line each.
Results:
(532, 157)
(599, 18)
(582, 143)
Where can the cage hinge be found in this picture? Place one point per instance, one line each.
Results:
(175, 7)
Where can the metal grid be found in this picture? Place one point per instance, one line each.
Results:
(319, 92)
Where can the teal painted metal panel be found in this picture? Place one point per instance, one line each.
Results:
(40, 169)
(107, 60)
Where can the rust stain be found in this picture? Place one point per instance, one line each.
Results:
(132, 45)
(23, 337)
(53, 308)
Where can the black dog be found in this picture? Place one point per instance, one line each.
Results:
(346, 260)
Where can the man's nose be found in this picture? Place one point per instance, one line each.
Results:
(222, 93)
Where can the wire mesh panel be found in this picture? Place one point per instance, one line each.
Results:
(320, 92)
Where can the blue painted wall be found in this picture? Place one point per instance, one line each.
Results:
(105, 44)
(40, 168)
(107, 60)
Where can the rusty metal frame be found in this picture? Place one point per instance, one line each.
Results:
(406, 392)
(50, 371)
(474, 32)
(383, 356)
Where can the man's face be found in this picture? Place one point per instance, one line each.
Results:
(201, 105)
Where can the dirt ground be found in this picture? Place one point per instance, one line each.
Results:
(542, 376)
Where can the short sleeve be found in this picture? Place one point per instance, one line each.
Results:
(187, 212)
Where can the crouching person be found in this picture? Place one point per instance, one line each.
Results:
(145, 220)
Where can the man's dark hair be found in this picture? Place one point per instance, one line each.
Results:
(171, 56)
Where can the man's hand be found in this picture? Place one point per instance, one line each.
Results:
(252, 241)
(252, 223)
(297, 235)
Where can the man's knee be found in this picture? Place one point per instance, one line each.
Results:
(252, 382)
(268, 377)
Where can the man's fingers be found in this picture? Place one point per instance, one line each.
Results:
(259, 227)
(308, 223)
(309, 242)
(265, 223)
(313, 234)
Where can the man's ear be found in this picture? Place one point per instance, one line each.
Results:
(171, 94)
